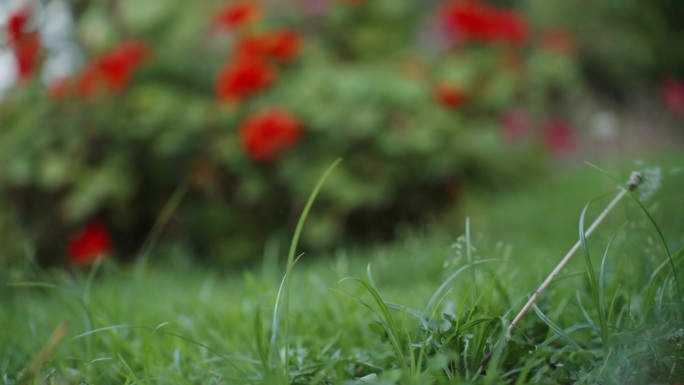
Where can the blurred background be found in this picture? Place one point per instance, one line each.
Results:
(201, 127)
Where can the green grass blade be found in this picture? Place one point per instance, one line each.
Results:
(283, 310)
(413, 312)
(480, 338)
(670, 257)
(261, 345)
(602, 284)
(584, 311)
(559, 332)
(167, 211)
(593, 286)
(469, 257)
(228, 359)
(567, 331)
(386, 319)
(89, 280)
(435, 297)
(305, 212)
(602, 270)
(63, 290)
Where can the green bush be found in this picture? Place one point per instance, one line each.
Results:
(244, 111)
(621, 45)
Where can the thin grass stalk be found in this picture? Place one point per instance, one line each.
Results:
(283, 310)
(387, 321)
(557, 329)
(436, 296)
(593, 285)
(469, 256)
(602, 269)
(167, 211)
(228, 359)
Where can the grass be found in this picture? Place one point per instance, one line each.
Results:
(427, 309)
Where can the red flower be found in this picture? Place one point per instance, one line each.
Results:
(558, 136)
(244, 76)
(473, 20)
(24, 44)
(117, 66)
(236, 14)
(26, 52)
(265, 134)
(283, 44)
(251, 45)
(113, 70)
(279, 44)
(88, 244)
(16, 23)
(449, 95)
(672, 95)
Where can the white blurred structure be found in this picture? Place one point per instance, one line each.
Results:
(60, 54)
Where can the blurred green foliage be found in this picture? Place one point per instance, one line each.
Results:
(362, 86)
(622, 45)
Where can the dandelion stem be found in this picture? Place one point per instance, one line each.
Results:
(634, 181)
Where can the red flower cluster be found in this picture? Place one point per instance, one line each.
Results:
(473, 20)
(244, 76)
(449, 95)
(88, 244)
(280, 45)
(265, 134)
(236, 14)
(24, 44)
(113, 70)
(110, 72)
(252, 67)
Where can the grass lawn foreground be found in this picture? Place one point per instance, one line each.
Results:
(430, 308)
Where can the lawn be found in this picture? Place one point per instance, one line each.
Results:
(382, 314)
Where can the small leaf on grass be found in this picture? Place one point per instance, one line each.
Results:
(378, 328)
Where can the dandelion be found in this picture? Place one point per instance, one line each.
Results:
(652, 181)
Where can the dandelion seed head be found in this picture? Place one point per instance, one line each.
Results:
(652, 182)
